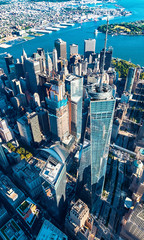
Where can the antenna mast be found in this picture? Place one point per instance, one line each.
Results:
(103, 63)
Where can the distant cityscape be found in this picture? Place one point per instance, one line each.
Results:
(71, 142)
(22, 21)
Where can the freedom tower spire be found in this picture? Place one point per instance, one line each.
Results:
(104, 55)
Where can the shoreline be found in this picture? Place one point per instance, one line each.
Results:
(6, 44)
(135, 28)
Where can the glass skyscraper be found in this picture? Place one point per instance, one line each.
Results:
(101, 120)
(93, 162)
(130, 79)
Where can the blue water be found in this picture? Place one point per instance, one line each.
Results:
(125, 47)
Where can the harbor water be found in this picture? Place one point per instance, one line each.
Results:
(125, 47)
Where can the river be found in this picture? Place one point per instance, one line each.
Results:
(125, 47)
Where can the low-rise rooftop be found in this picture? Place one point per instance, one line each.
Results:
(80, 208)
(28, 211)
(12, 231)
(9, 191)
(49, 231)
(27, 171)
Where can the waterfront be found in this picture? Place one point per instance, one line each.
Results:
(125, 47)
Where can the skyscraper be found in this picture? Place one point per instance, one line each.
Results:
(74, 86)
(108, 58)
(130, 79)
(55, 60)
(49, 64)
(42, 58)
(16, 86)
(32, 69)
(102, 106)
(54, 174)
(6, 132)
(57, 104)
(35, 128)
(60, 46)
(24, 130)
(89, 47)
(29, 128)
(73, 49)
(101, 112)
(43, 120)
(9, 61)
(3, 160)
(19, 69)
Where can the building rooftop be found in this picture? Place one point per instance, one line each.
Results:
(3, 214)
(23, 120)
(74, 45)
(52, 170)
(28, 211)
(72, 77)
(79, 209)
(25, 170)
(12, 231)
(59, 40)
(86, 143)
(9, 190)
(134, 226)
(50, 232)
(57, 152)
(100, 94)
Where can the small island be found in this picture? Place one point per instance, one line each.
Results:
(125, 28)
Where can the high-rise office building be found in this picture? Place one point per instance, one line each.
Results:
(101, 112)
(74, 87)
(16, 86)
(55, 60)
(84, 67)
(102, 106)
(29, 128)
(57, 104)
(3, 160)
(35, 128)
(73, 49)
(95, 153)
(130, 79)
(54, 174)
(42, 59)
(9, 61)
(43, 120)
(24, 130)
(140, 136)
(60, 46)
(6, 132)
(19, 69)
(32, 69)
(49, 65)
(108, 58)
(89, 47)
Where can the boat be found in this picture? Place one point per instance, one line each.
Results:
(96, 32)
(104, 18)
